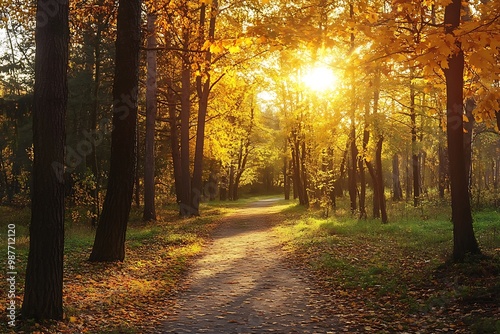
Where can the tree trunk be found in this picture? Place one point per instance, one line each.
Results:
(468, 127)
(361, 164)
(92, 157)
(304, 183)
(414, 149)
(286, 180)
(396, 183)
(297, 175)
(44, 271)
(174, 140)
(464, 240)
(497, 116)
(185, 206)
(376, 197)
(137, 186)
(203, 94)
(231, 182)
(212, 180)
(242, 164)
(351, 169)
(223, 188)
(442, 170)
(380, 179)
(149, 213)
(109, 244)
(408, 186)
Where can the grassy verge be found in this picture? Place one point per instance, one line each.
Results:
(397, 274)
(128, 297)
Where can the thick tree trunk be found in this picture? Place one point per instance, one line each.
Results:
(464, 240)
(44, 271)
(149, 213)
(109, 244)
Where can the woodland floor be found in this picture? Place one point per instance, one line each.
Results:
(261, 267)
(242, 284)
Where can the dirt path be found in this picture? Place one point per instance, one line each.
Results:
(242, 285)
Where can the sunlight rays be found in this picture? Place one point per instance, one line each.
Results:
(320, 78)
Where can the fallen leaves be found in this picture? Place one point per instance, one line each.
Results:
(381, 284)
(132, 296)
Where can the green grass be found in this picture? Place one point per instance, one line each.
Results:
(406, 260)
(157, 255)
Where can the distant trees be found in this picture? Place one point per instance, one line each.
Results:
(43, 297)
(151, 111)
(109, 244)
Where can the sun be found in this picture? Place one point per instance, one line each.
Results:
(320, 78)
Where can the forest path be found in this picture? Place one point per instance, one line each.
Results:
(241, 283)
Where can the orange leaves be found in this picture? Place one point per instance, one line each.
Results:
(372, 17)
(481, 58)
(230, 45)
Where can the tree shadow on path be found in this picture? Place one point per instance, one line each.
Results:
(241, 284)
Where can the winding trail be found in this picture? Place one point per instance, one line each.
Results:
(241, 284)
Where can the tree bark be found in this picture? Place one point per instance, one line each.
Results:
(203, 94)
(297, 175)
(174, 139)
(137, 185)
(380, 179)
(351, 168)
(44, 271)
(464, 240)
(468, 127)
(286, 180)
(149, 213)
(414, 150)
(185, 205)
(304, 184)
(109, 244)
(396, 183)
(361, 164)
(442, 170)
(92, 157)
